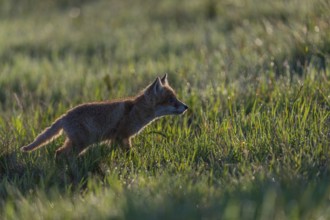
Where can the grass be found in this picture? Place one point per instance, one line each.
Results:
(255, 143)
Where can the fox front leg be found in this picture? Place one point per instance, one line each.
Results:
(124, 143)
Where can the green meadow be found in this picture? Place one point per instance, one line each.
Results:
(254, 144)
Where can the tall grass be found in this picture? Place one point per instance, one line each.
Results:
(253, 145)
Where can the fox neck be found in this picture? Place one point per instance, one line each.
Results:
(140, 115)
(143, 110)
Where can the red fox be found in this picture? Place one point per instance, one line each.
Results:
(116, 121)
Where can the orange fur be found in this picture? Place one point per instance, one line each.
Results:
(117, 121)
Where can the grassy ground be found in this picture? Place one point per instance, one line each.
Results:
(255, 143)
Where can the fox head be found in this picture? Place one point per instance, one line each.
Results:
(163, 99)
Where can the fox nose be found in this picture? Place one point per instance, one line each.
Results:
(185, 107)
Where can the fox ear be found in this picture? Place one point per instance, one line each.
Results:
(155, 87)
(164, 79)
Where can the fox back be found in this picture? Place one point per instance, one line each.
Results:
(116, 121)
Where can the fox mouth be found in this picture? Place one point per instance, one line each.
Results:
(184, 111)
(180, 111)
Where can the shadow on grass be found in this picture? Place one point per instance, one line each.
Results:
(24, 173)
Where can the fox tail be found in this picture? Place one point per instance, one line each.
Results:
(46, 136)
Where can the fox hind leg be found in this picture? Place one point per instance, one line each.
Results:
(66, 149)
(70, 148)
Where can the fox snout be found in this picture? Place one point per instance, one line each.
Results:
(180, 107)
(171, 107)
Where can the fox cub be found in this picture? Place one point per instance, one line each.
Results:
(117, 121)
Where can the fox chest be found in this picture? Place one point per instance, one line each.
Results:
(131, 127)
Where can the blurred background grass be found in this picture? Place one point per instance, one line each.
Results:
(57, 48)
